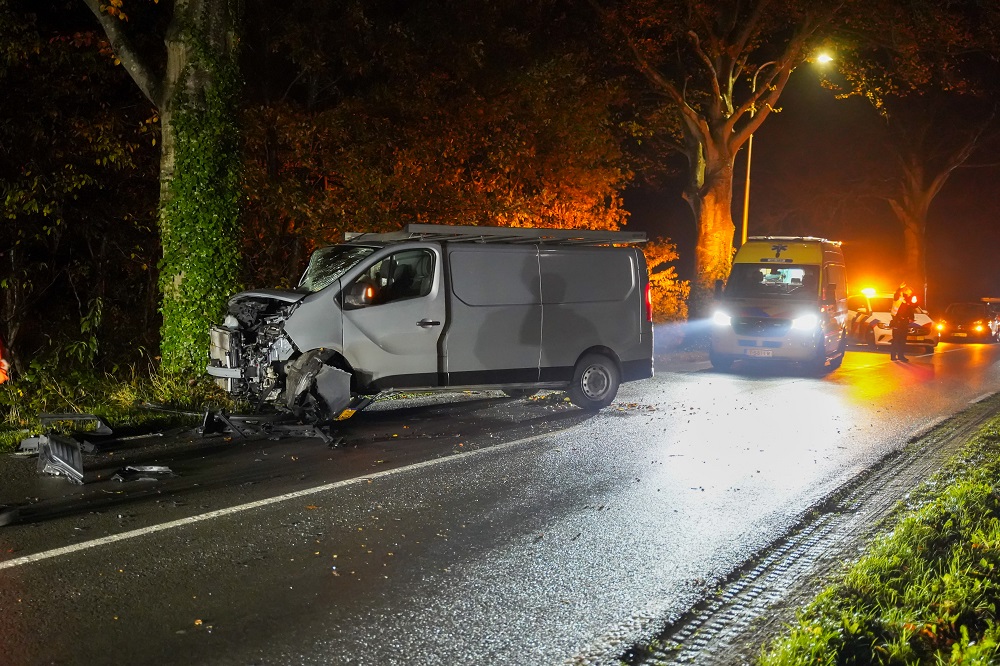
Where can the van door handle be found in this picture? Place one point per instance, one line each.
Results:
(426, 323)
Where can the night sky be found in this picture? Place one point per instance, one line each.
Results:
(804, 160)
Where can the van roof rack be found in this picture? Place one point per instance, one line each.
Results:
(525, 235)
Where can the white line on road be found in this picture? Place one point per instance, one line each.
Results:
(66, 550)
(981, 398)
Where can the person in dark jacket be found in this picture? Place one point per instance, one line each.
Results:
(900, 325)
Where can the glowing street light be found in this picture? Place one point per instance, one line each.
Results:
(822, 58)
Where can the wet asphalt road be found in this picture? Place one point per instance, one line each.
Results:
(478, 530)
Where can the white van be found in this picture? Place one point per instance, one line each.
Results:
(785, 300)
(437, 307)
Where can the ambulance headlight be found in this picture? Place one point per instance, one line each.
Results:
(805, 322)
(720, 318)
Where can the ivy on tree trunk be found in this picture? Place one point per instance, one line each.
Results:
(196, 95)
(200, 207)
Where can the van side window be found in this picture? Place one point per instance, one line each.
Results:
(836, 275)
(407, 274)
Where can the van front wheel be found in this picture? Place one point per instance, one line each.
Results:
(595, 382)
(720, 363)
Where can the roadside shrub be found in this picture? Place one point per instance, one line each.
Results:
(669, 293)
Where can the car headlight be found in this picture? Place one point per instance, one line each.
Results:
(883, 325)
(805, 322)
(720, 318)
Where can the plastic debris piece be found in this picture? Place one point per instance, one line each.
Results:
(100, 427)
(142, 473)
(29, 444)
(60, 456)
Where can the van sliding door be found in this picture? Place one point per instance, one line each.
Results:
(495, 315)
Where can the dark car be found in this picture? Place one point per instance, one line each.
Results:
(969, 321)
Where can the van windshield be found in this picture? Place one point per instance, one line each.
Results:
(327, 264)
(792, 282)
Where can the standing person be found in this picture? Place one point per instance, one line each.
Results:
(900, 325)
(897, 298)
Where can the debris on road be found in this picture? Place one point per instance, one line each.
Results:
(142, 473)
(98, 428)
(255, 425)
(60, 456)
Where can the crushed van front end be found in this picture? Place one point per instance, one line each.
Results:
(253, 358)
(247, 352)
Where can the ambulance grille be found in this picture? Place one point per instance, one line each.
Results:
(761, 326)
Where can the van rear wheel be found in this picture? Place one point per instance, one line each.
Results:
(595, 382)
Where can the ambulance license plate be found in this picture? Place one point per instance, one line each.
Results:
(960, 335)
(760, 352)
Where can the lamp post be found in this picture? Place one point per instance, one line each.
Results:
(746, 185)
(822, 58)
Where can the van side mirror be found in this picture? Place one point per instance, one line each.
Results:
(718, 288)
(830, 296)
(358, 295)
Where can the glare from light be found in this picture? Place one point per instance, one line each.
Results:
(720, 318)
(868, 291)
(824, 58)
(805, 322)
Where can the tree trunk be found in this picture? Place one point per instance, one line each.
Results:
(710, 195)
(911, 212)
(199, 185)
(911, 207)
(196, 97)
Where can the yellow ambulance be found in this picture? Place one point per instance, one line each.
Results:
(785, 300)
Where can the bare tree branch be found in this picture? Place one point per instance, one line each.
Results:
(140, 70)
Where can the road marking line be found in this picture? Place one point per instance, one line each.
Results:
(190, 520)
(981, 398)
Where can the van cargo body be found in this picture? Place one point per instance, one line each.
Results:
(435, 307)
(785, 300)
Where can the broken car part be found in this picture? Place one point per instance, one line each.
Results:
(142, 473)
(60, 456)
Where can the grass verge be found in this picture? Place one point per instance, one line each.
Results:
(120, 399)
(925, 593)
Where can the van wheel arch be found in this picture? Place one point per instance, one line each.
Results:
(308, 375)
(838, 360)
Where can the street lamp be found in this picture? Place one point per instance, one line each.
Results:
(821, 58)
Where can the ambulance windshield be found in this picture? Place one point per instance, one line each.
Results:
(786, 281)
